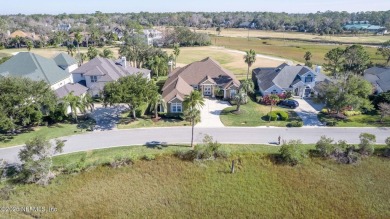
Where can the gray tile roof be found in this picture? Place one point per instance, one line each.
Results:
(283, 76)
(76, 88)
(133, 70)
(102, 67)
(379, 76)
(33, 66)
(64, 60)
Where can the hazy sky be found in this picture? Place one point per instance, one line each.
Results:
(90, 6)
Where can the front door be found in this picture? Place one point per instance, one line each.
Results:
(307, 91)
(207, 90)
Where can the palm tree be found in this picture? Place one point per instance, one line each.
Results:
(192, 105)
(249, 59)
(70, 49)
(157, 100)
(240, 99)
(83, 57)
(78, 37)
(29, 45)
(176, 52)
(248, 86)
(273, 100)
(75, 103)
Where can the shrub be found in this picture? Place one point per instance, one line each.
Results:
(283, 115)
(295, 124)
(352, 113)
(325, 146)
(273, 115)
(291, 152)
(149, 157)
(366, 146)
(324, 111)
(208, 150)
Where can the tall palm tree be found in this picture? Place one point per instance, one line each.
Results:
(273, 100)
(78, 38)
(70, 49)
(249, 59)
(176, 52)
(192, 105)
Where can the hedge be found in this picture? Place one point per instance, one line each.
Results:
(275, 115)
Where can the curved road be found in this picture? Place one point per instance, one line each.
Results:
(236, 135)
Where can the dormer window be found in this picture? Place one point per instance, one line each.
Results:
(93, 78)
(308, 79)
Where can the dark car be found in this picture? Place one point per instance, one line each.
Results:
(289, 103)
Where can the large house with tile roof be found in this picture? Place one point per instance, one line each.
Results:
(206, 76)
(66, 62)
(300, 80)
(98, 71)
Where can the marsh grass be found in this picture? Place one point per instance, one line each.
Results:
(170, 188)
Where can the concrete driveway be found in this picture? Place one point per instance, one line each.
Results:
(107, 117)
(308, 111)
(210, 113)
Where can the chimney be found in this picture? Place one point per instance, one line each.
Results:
(123, 61)
(318, 69)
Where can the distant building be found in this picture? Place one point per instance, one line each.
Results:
(152, 36)
(364, 26)
(64, 27)
(118, 32)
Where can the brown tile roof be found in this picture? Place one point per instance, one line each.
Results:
(194, 74)
(20, 33)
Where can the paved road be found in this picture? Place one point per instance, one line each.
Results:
(257, 135)
(210, 113)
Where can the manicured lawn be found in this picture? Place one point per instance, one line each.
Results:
(293, 50)
(345, 38)
(50, 132)
(170, 188)
(364, 120)
(253, 114)
(147, 122)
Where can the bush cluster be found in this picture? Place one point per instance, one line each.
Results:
(275, 115)
(352, 113)
(295, 124)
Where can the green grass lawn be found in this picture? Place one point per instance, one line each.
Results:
(364, 120)
(147, 122)
(293, 50)
(170, 188)
(253, 114)
(49, 132)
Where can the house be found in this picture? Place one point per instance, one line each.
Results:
(76, 88)
(37, 68)
(247, 25)
(22, 34)
(152, 36)
(118, 32)
(300, 80)
(146, 73)
(64, 27)
(66, 62)
(98, 71)
(364, 26)
(379, 78)
(206, 76)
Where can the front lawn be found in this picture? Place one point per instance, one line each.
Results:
(49, 132)
(144, 122)
(364, 120)
(254, 114)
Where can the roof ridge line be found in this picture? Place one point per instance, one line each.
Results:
(39, 65)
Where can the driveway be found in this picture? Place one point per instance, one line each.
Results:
(210, 113)
(106, 117)
(308, 111)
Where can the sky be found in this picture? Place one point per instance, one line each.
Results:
(123, 6)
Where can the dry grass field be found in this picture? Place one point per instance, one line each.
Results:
(243, 33)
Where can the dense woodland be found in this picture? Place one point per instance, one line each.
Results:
(320, 22)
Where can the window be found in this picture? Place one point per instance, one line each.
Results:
(308, 79)
(232, 93)
(93, 78)
(274, 92)
(176, 108)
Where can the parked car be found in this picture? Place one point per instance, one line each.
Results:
(289, 103)
(156, 143)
